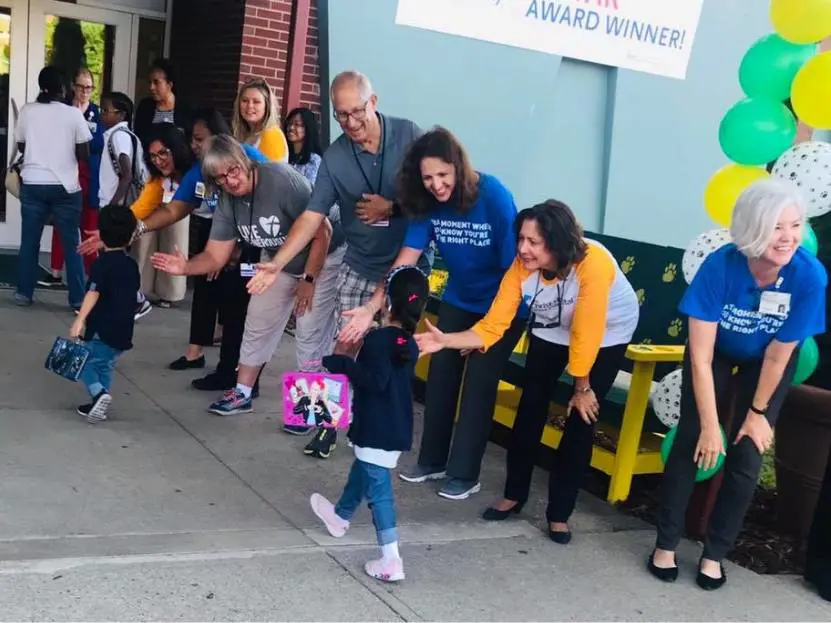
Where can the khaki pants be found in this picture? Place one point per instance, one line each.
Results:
(156, 284)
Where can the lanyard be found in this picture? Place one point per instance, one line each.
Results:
(250, 212)
(383, 157)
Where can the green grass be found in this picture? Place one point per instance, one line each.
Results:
(767, 477)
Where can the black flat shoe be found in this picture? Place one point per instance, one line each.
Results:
(494, 514)
(183, 363)
(665, 574)
(563, 538)
(708, 583)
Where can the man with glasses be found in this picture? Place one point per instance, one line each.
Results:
(358, 172)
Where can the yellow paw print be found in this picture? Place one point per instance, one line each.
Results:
(675, 328)
(641, 296)
(627, 265)
(670, 272)
(646, 340)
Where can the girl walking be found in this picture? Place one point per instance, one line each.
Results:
(382, 425)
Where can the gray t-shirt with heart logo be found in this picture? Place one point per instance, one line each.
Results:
(264, 218)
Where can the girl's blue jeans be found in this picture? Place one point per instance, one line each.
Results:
(375, 484)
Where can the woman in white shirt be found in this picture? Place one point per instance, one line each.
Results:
(52, 138)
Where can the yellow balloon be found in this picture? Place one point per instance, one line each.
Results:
(724, 189)
(801, 21)
(811, 92)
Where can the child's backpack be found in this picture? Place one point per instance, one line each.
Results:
(139, 170)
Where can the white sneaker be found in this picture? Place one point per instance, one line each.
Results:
(325, 511)
(386, 570)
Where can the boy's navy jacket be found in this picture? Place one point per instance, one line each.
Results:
(382, 389)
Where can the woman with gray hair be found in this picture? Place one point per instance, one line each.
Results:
(258, 203)
(750, 306)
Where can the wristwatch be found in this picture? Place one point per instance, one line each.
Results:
(582, 390)
(307, 278)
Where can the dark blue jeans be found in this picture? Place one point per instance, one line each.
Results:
(375, 484)
(37, 202)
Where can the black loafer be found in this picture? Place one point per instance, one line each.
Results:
(665, 574)
(494, 514)
(708, 583)
(563, 538)
(183, 363)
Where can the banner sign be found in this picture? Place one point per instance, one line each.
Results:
(652, 36)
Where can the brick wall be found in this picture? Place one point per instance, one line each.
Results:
(205, 46)
(266, 41)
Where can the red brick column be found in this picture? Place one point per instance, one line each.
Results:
(266, 49)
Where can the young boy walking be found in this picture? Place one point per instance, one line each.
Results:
(107, 314)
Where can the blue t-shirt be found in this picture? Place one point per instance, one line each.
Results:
(477, 247)
(192, 187)
(93, 118)
(724, 291)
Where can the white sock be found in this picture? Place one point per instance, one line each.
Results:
(139, 297)
(390, 551)
(245, 389)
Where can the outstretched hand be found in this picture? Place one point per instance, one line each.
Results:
(264, 278)
(172, 263)
(92, 243)
(430, 341)
(360, 319)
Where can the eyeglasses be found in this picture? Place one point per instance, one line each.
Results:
(83, 87)
(232, 171)
(358, 114)
(532, 317)
(156, 156)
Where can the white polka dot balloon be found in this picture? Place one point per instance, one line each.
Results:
(666, 401)
(701, 247)
(808, 166)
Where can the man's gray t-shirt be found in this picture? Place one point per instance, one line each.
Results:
(264, 219)
(346, 173)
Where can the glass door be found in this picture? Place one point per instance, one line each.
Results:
(69, 36)
(14, 16)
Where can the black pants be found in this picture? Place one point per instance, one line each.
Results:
(818, 555)
(482, 372)
(206, 294)
(544, 365)
(741, 465)
(233, 297)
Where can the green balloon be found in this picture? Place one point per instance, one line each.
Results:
(807, 361)
(770, 65)
(757, 131)
(809, 240)
(701, 474)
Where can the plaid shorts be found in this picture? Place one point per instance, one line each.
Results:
(353, 291)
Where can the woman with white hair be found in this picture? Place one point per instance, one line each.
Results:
(750, 306)
(258, 202)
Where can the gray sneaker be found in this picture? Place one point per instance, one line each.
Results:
(422, 474)
(458, 489)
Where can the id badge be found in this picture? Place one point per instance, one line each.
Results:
(775, 304)
(384, 223)
(247, 270)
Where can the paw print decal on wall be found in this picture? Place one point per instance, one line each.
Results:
(670, 272)
(675, 328)
(628, 264)
(646, 340)
(641, 296)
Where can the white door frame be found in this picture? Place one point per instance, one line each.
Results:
(27, 56)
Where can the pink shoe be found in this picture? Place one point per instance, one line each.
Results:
(386, 570)
(325, 511)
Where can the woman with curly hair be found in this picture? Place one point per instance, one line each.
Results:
(469, 216)
(583, 313)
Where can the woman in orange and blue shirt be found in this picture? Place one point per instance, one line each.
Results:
(583, 313)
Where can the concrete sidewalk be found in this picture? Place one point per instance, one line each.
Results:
(169, 513)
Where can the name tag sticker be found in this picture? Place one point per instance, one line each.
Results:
(200, 190)
(381, 224)
(247, 270)
(167, 197)
(775, 304)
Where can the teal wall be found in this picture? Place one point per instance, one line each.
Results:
(630, 152)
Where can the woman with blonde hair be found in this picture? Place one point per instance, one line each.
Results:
(256, 120)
